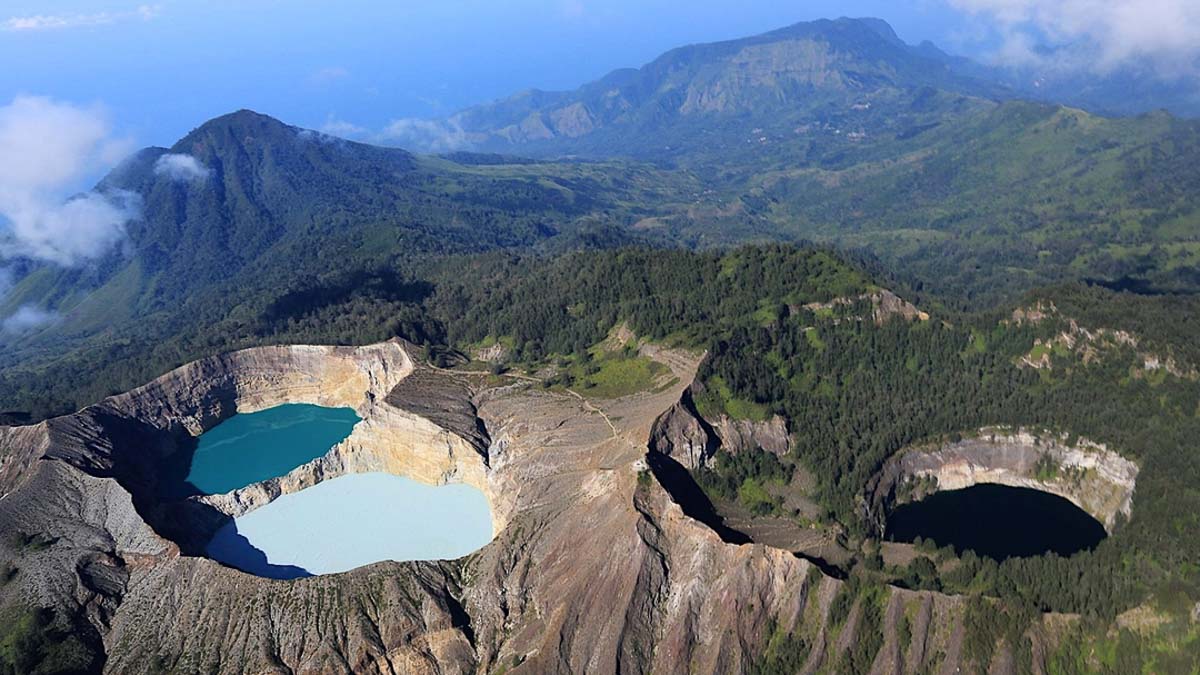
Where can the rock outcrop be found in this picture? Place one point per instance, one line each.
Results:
(683, 434)
(884, 306)
(744, 435)
(1091, 344)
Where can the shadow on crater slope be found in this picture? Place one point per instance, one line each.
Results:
(232, 548)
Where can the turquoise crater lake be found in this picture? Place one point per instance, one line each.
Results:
(355, 520)
(252, 447)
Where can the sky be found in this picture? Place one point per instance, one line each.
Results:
(165, 67)
(160, 68)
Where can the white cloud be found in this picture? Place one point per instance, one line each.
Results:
(426, 135)
(1097, 34)
(27, 318)
(42, 22)
(342, 128)
(70, 233)
(182, 168)
(48, 147)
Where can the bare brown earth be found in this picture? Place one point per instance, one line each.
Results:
(594, 567)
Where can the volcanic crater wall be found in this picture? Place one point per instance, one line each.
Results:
(144, 438)
(1089, 475)
(594, 567)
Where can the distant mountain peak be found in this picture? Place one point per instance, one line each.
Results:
(240, 122)
(784, 79)
(881, 27)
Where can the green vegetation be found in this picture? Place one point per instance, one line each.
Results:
(716, 398)
(602, 373)
(1046, 469)
(323, 240)
(784, 654)
(743, 477)
(868, 630)
(855, 390)
(31, 644)
(934, 171)
(296, 237)
(988, 624)
(787, 652)
(561, 306)
(922, 575)
(870, 390)
(1002, 200)
(904, 632)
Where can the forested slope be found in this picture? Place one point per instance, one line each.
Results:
(854, 387)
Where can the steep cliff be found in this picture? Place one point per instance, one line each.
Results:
(1087, 474)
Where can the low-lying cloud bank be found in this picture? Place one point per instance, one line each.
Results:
(1095, 35)
(342, 128)
(417, 135)
(53, 147)
(70, 233)
(426, 135)
(25, 319)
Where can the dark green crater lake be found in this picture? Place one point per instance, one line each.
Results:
(997, 521)
(252, 447)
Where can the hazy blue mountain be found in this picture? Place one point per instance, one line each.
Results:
(700, 101)
(809, 73)
(1133, 87)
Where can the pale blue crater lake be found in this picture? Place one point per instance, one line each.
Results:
(252, 447)
(355, 520)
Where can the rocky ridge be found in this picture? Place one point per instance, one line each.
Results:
(1091, 344)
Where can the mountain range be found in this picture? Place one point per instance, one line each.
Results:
(276, 204)
(810, 72)
(838, 131)
(676, 105)
(832, 131)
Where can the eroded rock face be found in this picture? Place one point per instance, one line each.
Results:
(1091, 344)
(684, 436)
(20, 447)
(687, 437)
(593, 568)
(884, 306)
(199, 395)
(744, 435)
(1089, 475)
